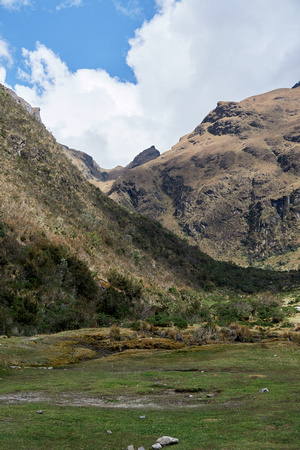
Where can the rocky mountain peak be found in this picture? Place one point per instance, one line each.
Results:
(145, 156)
(232, 185)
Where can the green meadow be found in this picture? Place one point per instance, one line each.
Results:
(207, 396)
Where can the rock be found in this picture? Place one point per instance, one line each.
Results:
(210, 395)
(141, 448)
(145, 156)
(264, 390)
(130, 447)
(156, 446)
(109, 432)
(40, 411)
(166, 440)
(233, 214)
(142, 417)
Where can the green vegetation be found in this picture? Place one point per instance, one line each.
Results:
(46, 288)
(207, 397)
(71, 257)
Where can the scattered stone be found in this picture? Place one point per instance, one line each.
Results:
(142, 417)
(191, 396)
(210, 395)
(264, 390)
(166, 440)
(15, 367)
(109, 432)
(40, 411)
(156, 446)
(141, 448)
(130, 447)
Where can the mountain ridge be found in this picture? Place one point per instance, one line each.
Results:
(71, 257)
(232, 185)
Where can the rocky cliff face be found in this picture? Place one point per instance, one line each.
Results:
(85, 164)
(232, 186)
(96, 174)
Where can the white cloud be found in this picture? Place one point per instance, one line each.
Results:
(5, 60)
(192, 54)
(131, 8)
(4, 52)
(14, 4)
(68, 4)
(2, 75)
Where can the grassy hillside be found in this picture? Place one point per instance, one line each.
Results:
(62, 242)
(232, 186)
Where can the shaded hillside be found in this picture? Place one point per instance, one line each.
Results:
(62, 241)
(232, 186)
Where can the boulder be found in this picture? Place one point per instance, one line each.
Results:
(167, 440)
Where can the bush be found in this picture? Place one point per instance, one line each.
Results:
(234, 310)
(105, 320)
(267, 308)
(164, 320)
(115, 333)
(206, 333)
(121, 297)
(114, 303)
(240, 333)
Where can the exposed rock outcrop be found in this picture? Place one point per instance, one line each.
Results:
(34, 111)
(232, 185)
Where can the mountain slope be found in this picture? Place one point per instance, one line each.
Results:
(72, 257)
(233, 185)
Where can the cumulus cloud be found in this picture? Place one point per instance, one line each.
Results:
(192, 54)
(14, 4)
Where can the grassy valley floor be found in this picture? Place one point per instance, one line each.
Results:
(207, 396)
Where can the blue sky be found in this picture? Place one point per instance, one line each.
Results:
(85, 34)
(113, 77)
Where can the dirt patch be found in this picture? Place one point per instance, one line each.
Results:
(77, 399)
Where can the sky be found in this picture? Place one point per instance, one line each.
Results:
(113, 77)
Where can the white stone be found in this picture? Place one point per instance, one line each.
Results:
(167, 440)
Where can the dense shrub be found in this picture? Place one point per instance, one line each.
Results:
(164, 320)
(233, 310)
(43, 287)
(266, 308)
(205, 333)
(121, 297)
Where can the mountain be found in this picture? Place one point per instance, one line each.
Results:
(232, 186)
(72, 257)
(96, 174)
